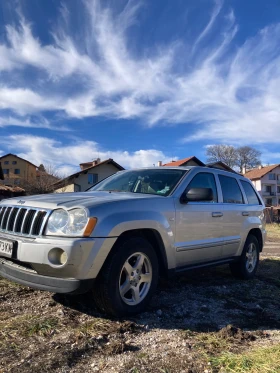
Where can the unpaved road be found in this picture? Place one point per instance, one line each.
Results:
(186, 325)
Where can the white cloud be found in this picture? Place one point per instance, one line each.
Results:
(230, 94)
(214, 15)
(66, 158)
(38, 122)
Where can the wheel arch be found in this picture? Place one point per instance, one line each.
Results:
(258, 234)
(155, 239)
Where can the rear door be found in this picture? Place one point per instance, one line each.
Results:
(234, 211)
(199, 225)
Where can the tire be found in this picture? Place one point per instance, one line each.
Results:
(119, 289)
(245, 268)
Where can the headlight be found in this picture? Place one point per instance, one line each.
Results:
(58, 221)
(70, 223)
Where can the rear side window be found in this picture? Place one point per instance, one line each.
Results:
(251, 195)
(204, 180)
(231, 190)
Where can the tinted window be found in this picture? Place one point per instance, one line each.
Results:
(230, 189)
(250, 193)
(204, 180)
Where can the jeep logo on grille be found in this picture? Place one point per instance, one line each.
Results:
(20, 202)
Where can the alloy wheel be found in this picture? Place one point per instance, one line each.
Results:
(135, 278)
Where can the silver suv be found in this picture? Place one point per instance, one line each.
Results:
(117, 238)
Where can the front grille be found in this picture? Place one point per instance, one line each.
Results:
(25, 221)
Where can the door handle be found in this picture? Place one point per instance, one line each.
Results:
(245, 213)
(217, 214)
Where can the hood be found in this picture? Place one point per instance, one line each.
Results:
(71, 200)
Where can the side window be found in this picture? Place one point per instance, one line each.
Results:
(231, 190)
(204, 180)
(252, 197)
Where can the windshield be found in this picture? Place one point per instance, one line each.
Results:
(152, 181)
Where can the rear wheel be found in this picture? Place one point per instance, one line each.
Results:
(128, 279)
(246, 267)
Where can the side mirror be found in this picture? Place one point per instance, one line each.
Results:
(197, 195)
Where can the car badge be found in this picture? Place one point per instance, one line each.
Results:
(20, 202)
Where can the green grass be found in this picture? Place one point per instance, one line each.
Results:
(259, 360)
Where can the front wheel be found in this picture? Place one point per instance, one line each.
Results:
(128, 279)
(245, 268)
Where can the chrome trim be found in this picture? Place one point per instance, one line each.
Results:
(33, 221)
(23, 220)
(14, 226)
(4, 216)
(200, 246)
(9, 217)
(27, 209)
(44, 223)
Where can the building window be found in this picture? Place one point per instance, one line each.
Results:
(92, 179)
(269, 201)
(268, 188)
(6, 162)
(17, 181)
(17, 171)
(278, 189)
(271, 177)
(6, 171)
(278, 201)
(14, 162)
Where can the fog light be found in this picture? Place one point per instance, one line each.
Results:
(57, 256)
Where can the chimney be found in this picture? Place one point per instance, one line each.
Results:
(159, 163)
(243, 170)
(260, 167)
(96, 161)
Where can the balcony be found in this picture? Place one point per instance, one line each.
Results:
(264, 193)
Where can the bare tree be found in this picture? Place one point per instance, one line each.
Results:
(247, 157)
(224, 153)
(46, 176)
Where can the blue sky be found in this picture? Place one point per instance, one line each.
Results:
(138, 81)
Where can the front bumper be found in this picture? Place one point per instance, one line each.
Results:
(85, 255)
(23, 276)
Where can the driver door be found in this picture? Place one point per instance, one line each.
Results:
(199, 225)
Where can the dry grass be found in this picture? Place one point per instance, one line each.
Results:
(258, 360)
(25, 326)
(273, 231)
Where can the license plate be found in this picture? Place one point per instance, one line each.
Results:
(6, 248)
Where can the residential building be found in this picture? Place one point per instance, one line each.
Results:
(220, 165)
(9, 192)
(90, 174)
(194, 161)
(190, 161)
(267, 182)
(1, 173)
(16, 169)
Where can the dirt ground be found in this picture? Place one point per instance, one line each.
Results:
(200, 322)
